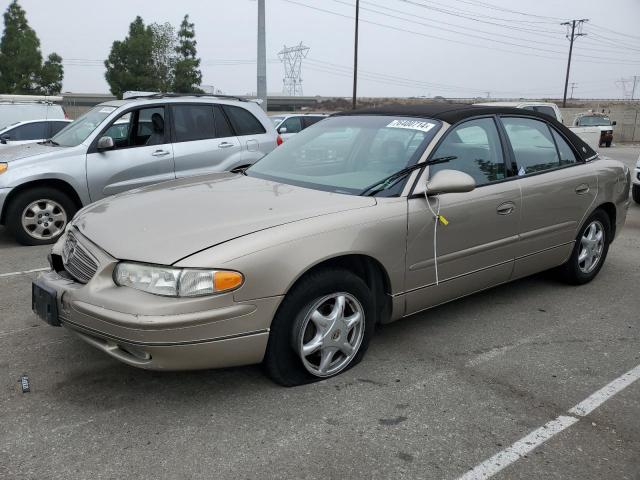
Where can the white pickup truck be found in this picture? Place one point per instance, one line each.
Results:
(590, 134)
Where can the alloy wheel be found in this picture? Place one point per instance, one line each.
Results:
(591, 247)
(44, 219)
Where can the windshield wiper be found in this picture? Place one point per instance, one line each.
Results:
(392, 179)
(52, 142)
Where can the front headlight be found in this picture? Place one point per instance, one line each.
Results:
(176, 282)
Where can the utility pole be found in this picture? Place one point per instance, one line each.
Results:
(355, 57)
(262, 56)
(571, 27)
(573, 86)
(633, 89)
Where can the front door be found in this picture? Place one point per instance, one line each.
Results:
(557, 192)
(477, 248)
(142, 154)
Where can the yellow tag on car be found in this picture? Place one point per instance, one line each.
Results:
(443, 220)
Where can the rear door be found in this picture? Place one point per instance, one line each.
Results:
(557, 192)
(142, 153)
(476, 249)
(202, 140)
(253, 136)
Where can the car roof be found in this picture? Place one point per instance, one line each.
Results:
(450, 113)
(454, 113)
(516, 104)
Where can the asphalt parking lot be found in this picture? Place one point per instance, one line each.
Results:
(436, 395)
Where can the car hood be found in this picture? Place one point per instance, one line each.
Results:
(11, 153)
(167, 222)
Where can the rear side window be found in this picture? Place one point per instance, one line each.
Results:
(308, 121)
(30, 131)
(55, 127)
(532, 144)
(223, 129)
(193, 122)
(243, 121)
(567, 157)
(546, 110)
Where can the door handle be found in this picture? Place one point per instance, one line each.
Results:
(160, 153)
(506, 208)
(225, 145)
(582, 189)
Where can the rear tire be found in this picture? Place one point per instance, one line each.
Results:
(608, 144)
(590, 250)
(293, 328)
(635, 192)
(52, 208)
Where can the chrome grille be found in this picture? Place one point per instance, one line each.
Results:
(77, 261)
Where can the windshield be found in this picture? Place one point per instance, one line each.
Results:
(77, 131)
(347, 154)
(594, 121)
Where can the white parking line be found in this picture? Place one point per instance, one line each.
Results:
(11, 274)
(519, 449)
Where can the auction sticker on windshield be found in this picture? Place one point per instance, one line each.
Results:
(412, 124)
(107, 109)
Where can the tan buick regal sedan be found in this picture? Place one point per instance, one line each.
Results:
(364, 218)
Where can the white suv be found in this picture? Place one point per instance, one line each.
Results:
(289, 125)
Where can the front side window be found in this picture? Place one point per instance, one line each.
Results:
(78, 131)
(476, 150)
(243, 121)
(292, 124)
(119, 130)
(532, 144)
(138, 128)
(55, 127)
(193, 122)
(30, 131)
(347, 154)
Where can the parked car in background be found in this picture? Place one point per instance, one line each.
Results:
(547, 108)
(125, 144)
(17, 108)
(294, 263)
(31, 131)
(599, 120)
(289, 125)
(636, 182)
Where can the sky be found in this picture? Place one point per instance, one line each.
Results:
(450, 48)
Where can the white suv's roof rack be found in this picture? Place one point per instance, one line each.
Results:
(154, 95)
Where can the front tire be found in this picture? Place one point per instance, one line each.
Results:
(322, 328)
(635, 192)
(608, 144)
(39, 216)
(590, 250)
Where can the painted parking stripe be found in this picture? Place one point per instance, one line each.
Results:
(12, 274)
(593, 401)
(515, 452)
(519, 449)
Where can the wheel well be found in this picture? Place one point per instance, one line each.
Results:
(371, 271)
(610, 209)
(60, 185)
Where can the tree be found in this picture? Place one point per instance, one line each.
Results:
(130, 63)
(51, 75)
(164, 54)
(187, 72)
(21, 67)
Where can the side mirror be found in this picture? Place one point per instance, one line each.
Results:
(282, 130)
(4, 138)
(450, 181)
(614, 122)
(105, 143)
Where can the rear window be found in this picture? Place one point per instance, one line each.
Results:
(193, 122)
(243, 121)
(223, 129)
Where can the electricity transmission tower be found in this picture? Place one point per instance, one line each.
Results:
(574, 30)
(291, 58)
(628, 86)
(573, 87)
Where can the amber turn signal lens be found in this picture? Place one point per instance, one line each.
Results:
(223, 281)
(3, 167)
